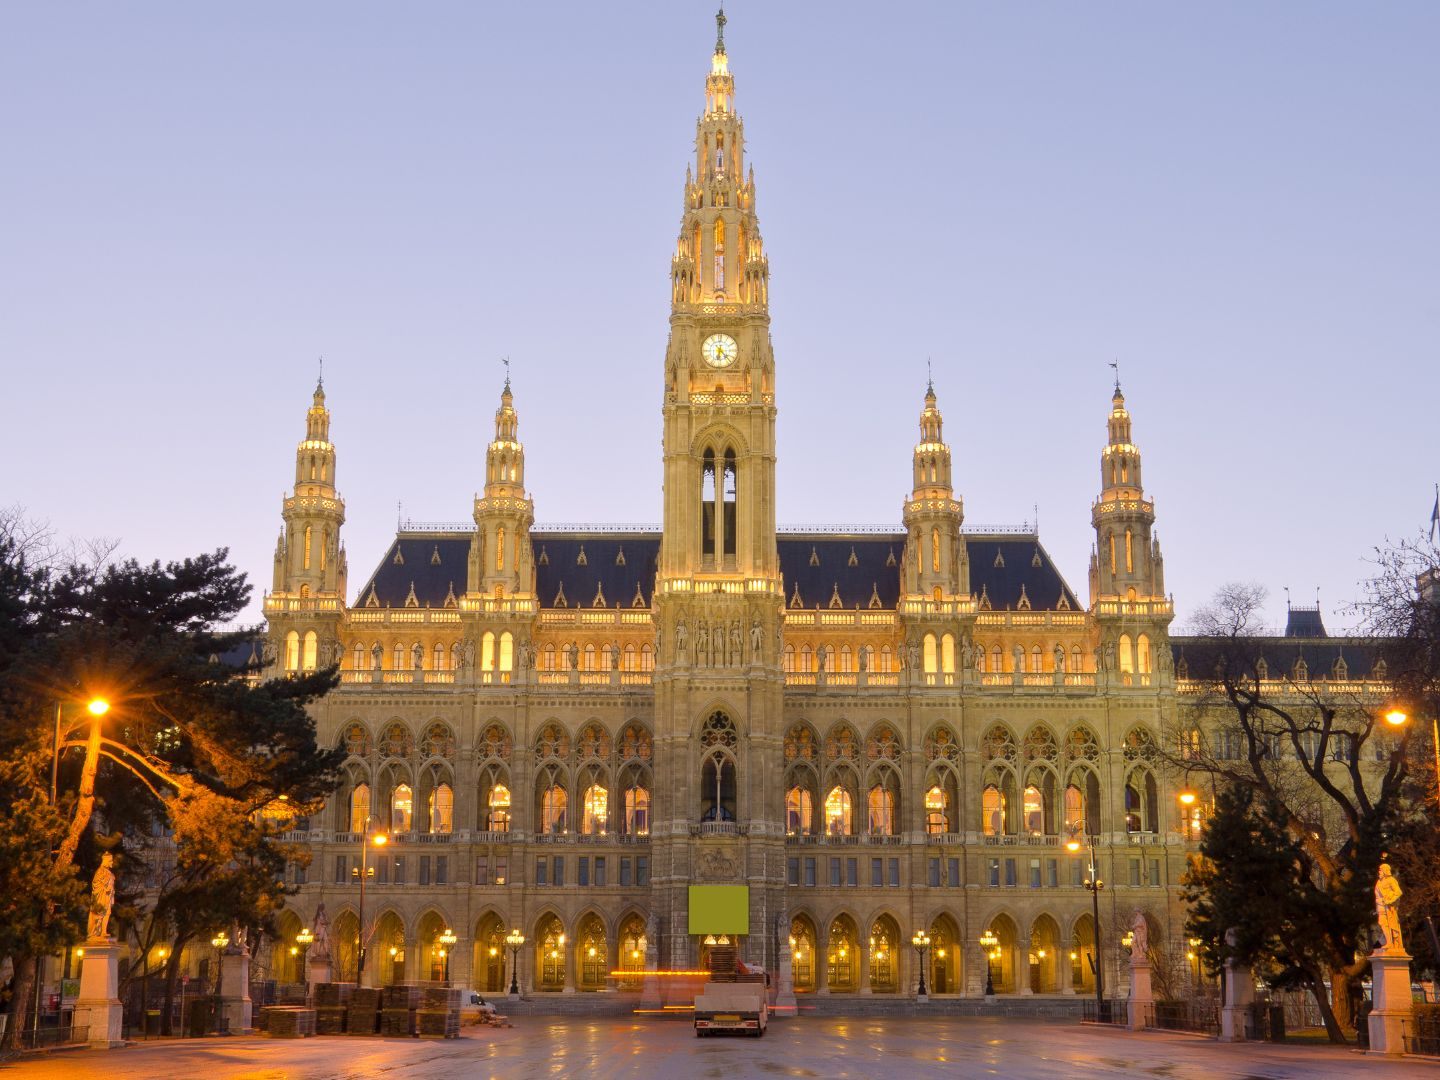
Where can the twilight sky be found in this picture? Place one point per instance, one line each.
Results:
(1236, 200)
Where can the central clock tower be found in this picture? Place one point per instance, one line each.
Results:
(719, 600)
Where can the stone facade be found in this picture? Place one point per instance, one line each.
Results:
(876, 730)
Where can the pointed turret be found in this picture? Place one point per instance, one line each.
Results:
(936, 566)
(501, 562)
(308, 594)
(1127, 564)
(309, 558)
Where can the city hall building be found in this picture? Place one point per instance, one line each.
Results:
(866, 733)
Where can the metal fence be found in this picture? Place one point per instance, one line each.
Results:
(1200, 1016)
(1110, 1011)
(39, 1038)
(1422, 1034)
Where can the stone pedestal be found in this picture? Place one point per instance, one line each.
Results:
(98, 1007)
(785, 983)
(1141, 997)
(318, 970)
(1390, 993)
(1239, 997)
(235, 1006)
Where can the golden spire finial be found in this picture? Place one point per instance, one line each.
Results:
(720, 29)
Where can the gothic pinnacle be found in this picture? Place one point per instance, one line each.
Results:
(720, 29)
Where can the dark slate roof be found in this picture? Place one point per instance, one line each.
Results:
(1002, 566)
(1304, 622)
(242, 654)
(1280, 653)
(858, 567)
(602, 576)
(418, 551)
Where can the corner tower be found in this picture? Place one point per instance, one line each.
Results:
(308, 590)
(501, 561)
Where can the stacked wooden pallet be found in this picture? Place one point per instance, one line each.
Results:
(287, 1021)
(363, 1016)
(439, 1014)
(332, 1001)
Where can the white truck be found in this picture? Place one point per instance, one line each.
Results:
(739, 1007)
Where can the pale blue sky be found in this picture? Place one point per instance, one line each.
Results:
(1237, 200)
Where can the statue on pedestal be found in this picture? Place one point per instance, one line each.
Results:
(1139, 936)
(320, 947)
(102, 898)
(1387, 913)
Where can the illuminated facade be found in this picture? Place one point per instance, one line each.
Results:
(878, 731)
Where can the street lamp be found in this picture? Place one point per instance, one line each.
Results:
(1397, 717)
(362, 872)
(921, 941)
(1095, 885)
(447, 940)
(515, 939)
(96, 707)
(220, 940)
(989, 941)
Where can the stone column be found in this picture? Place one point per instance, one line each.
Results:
(1390, 979)
(864, 947)
(1022, 966)
(235, 990)
(98, 1008)
(1064, 973)
(785, 967)
(1142, 999)
(1239, 996)
(822, 964)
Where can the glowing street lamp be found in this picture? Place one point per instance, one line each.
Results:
(921, 940)
(1094, 885)
(515, 939)
(447, 941)
(989, 942)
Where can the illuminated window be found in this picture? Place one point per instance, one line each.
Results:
(1034, 811)
(588, 661)
(1074, 808)
(500, 547)
(548, 658)
(399, 656)
(553, 803)
(1127, 656)
(312, 648)
(1112, 553)
(799, 811)
(637, 811)
(594, 810)
(324, 545)
(507, 651)
(1129, 552)
(647, 657)
(292, 651)
(307, 547)
(805, 664)
(992, 810)
(937, 817)
(719, 244)
(947, 654)
(996, 659)
(837, 812)
(882, 810)
(402, 807)
(929, 649)
(358, 661)
(788, 659)
(1075, 658)
(628, 659)
(846, 660)
(442, 809)
(499, 811)
(439, 664)
(1037, 660)
(1142, 654)
(487, 651)
(887, 659)
(359, 807)
(935, 550)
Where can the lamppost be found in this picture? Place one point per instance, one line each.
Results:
(1095, 885)
(921, 941)
(447, 941)
(1397, 717)
(362, 872)
(304, 939)
(96, 707)
(220, 940)
(988, 941)
(515, 939)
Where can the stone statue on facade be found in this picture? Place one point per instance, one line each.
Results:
(864, 657)
(102, 898)
(320, 947)
(417, 657)
(967, 654)
(267, 652)
(1139, 936)
(469, 654)
(822, 656)
(702, 643)
(717, 651)
(1060, 658)
(1387, 913)
(1109, 656)
(912, 657)
(1019, 654)
(680, 638)
(573, 651)
(757, 640)
(337, 653)
(737, 644)
(377, 656)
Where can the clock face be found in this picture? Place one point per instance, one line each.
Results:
(719, 350)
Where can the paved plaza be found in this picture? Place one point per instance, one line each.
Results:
(812, 1047)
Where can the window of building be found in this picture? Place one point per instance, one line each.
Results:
(402, 807)
(625, 873)
(810, 871)
(992, 810)
(877, 873)
(1034, 873)
(1034, 811)
(642, 871)
(482, 870)
(882, 810)
(894, 867)
(994, 869)
(342, 874)
(553, 804)
(498, 813)
(557, 870)
(937, 820)
(852, 872)
(1134, 873)
(798, 811)
(792, 871)
(1010, 872)
(932, 878)
(837, 812)
(582, 870)
(952, 872)
(637, 811)
(594, 810)
(836, 869)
